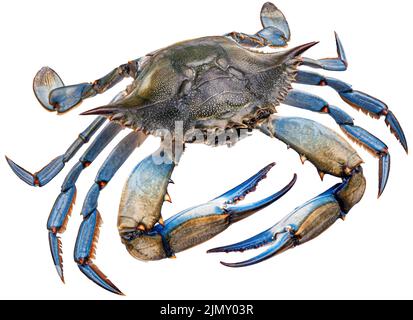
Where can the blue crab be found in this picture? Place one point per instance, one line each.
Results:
(212, 90)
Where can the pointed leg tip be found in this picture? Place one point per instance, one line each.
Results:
(59, 269)
(382, 186)
(380, 192)
(406, 148)
(120, 293)
(112, 288)
(116, 290)
(9, 161)
(22, 173)
(92, 272)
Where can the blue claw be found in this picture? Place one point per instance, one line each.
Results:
(200, 223)
(223, 205)
(281, 243)
(239, 212)
(285, 234)
(259, 240)
(302, 225)
(305, 223)
(42, 177)
(244, 188)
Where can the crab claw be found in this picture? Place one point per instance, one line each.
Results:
(200, 223)
(303, 224)
(279, 243)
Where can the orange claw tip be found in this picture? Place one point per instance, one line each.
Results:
(141, 227)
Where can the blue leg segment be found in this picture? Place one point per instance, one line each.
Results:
(62, 207)
(88, 232)
(332, 64)
(304, 223)
(359, 135)
(357, 99)
(200, 223)
(45, 175)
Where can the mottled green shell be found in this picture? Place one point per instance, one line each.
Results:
(206, 83)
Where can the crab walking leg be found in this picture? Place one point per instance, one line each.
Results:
(356, 99)
(359, 135)
(62, 207)
(329, 153)
(197, 224)
(331, 64)
(62, 98)
(46, 174)
(275, 32)
(84, 252)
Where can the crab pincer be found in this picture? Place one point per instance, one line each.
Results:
(304, 223)
(200, 223)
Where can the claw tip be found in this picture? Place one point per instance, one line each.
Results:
(227, 264)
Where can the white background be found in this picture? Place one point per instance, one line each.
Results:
(368, 256)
